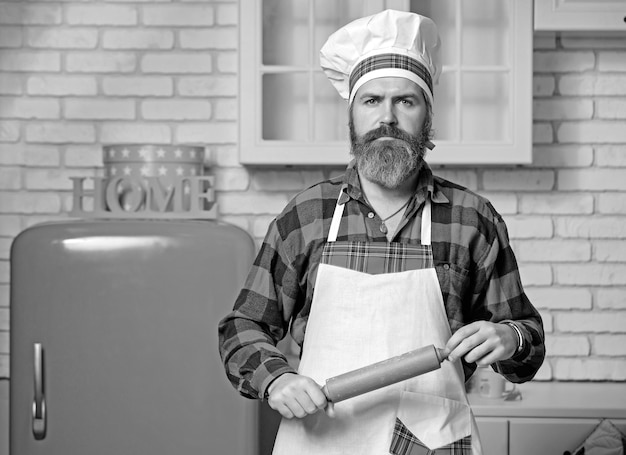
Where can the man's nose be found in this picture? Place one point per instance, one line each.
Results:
(388, 114)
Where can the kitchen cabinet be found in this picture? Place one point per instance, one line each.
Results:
(114, 339)
(291, 115)
(580, 15)
(550, 419)
(551, 436)
(494, 435)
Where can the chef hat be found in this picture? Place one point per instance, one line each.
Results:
(388, 44)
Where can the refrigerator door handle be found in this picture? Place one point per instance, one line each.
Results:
(39, 403)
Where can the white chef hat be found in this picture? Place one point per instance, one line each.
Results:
(388, 44)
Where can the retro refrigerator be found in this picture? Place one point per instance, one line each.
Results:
(114, 339)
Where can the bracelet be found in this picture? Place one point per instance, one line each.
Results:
(520, 337)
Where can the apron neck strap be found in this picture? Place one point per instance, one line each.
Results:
(426, 224)
(334, 224)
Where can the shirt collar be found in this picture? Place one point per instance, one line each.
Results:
(426, 185)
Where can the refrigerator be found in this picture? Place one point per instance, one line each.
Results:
(113, 340)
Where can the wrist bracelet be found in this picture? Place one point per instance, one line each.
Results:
(520, 337)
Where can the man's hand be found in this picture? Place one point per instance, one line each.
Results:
(482, 342)
(294, 395)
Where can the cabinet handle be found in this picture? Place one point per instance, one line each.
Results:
(39, 403)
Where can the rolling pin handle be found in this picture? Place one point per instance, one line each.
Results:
(442, 354)
(326, 393)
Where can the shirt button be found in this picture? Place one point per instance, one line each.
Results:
(446, 266)
(371, 215)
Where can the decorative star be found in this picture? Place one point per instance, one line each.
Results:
(145, 171)
(112, 153)
(178, 153)
(144, 153)
(192, 153)
(125, 152)
(127, 170)
(113, 170)
(160, 153)
(180, 171)
(162, 170)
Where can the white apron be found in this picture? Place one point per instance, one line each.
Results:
(358, 318)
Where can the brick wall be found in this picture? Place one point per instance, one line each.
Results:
(75, 75)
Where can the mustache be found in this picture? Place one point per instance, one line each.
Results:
(386, 131)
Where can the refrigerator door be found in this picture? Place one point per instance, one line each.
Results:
(114, 339)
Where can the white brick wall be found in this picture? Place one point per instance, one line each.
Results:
(75, 75)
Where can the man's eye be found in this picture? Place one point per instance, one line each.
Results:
(370, 101)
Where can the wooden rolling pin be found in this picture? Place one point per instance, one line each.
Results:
(384, 373)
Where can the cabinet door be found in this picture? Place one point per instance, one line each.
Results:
(493, 435)
(483, 101)
(548, 436)
(289, 112)
(608, 15)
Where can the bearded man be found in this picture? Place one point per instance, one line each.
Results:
(380, 261)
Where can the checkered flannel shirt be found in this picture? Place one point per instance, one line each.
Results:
(475, 265)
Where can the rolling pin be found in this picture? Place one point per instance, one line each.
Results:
(384, 373)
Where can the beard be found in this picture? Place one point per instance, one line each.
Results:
(389, 162)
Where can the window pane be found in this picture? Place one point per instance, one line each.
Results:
(285, 107)
(486, 108)
(330, 16)
(486, 32)
(331, 112)
(445, 108)
(443, 13)
(285, 32)
(331, 115)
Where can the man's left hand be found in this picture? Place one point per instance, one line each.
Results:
(482, 342)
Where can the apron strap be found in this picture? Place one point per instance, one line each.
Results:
(334, 224)
(426, 223)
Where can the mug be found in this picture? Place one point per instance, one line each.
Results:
(492, 385)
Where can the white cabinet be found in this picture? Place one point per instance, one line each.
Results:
(291, 115)
(494, 434)
(584, 15)
(551, 436)
(550, 419)
(536, 435)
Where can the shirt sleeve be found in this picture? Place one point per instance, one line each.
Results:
(502, 298)
(249, 334)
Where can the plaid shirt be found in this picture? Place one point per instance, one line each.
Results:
(475, 265)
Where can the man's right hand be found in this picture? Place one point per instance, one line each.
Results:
(294, 395)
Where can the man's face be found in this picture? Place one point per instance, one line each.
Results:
(389, 127)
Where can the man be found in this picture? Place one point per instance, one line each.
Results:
(381, 261)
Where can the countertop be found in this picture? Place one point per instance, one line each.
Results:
(558, 400)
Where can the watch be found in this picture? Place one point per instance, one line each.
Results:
(520, 337)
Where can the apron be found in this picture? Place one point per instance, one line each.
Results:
(358, 318)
